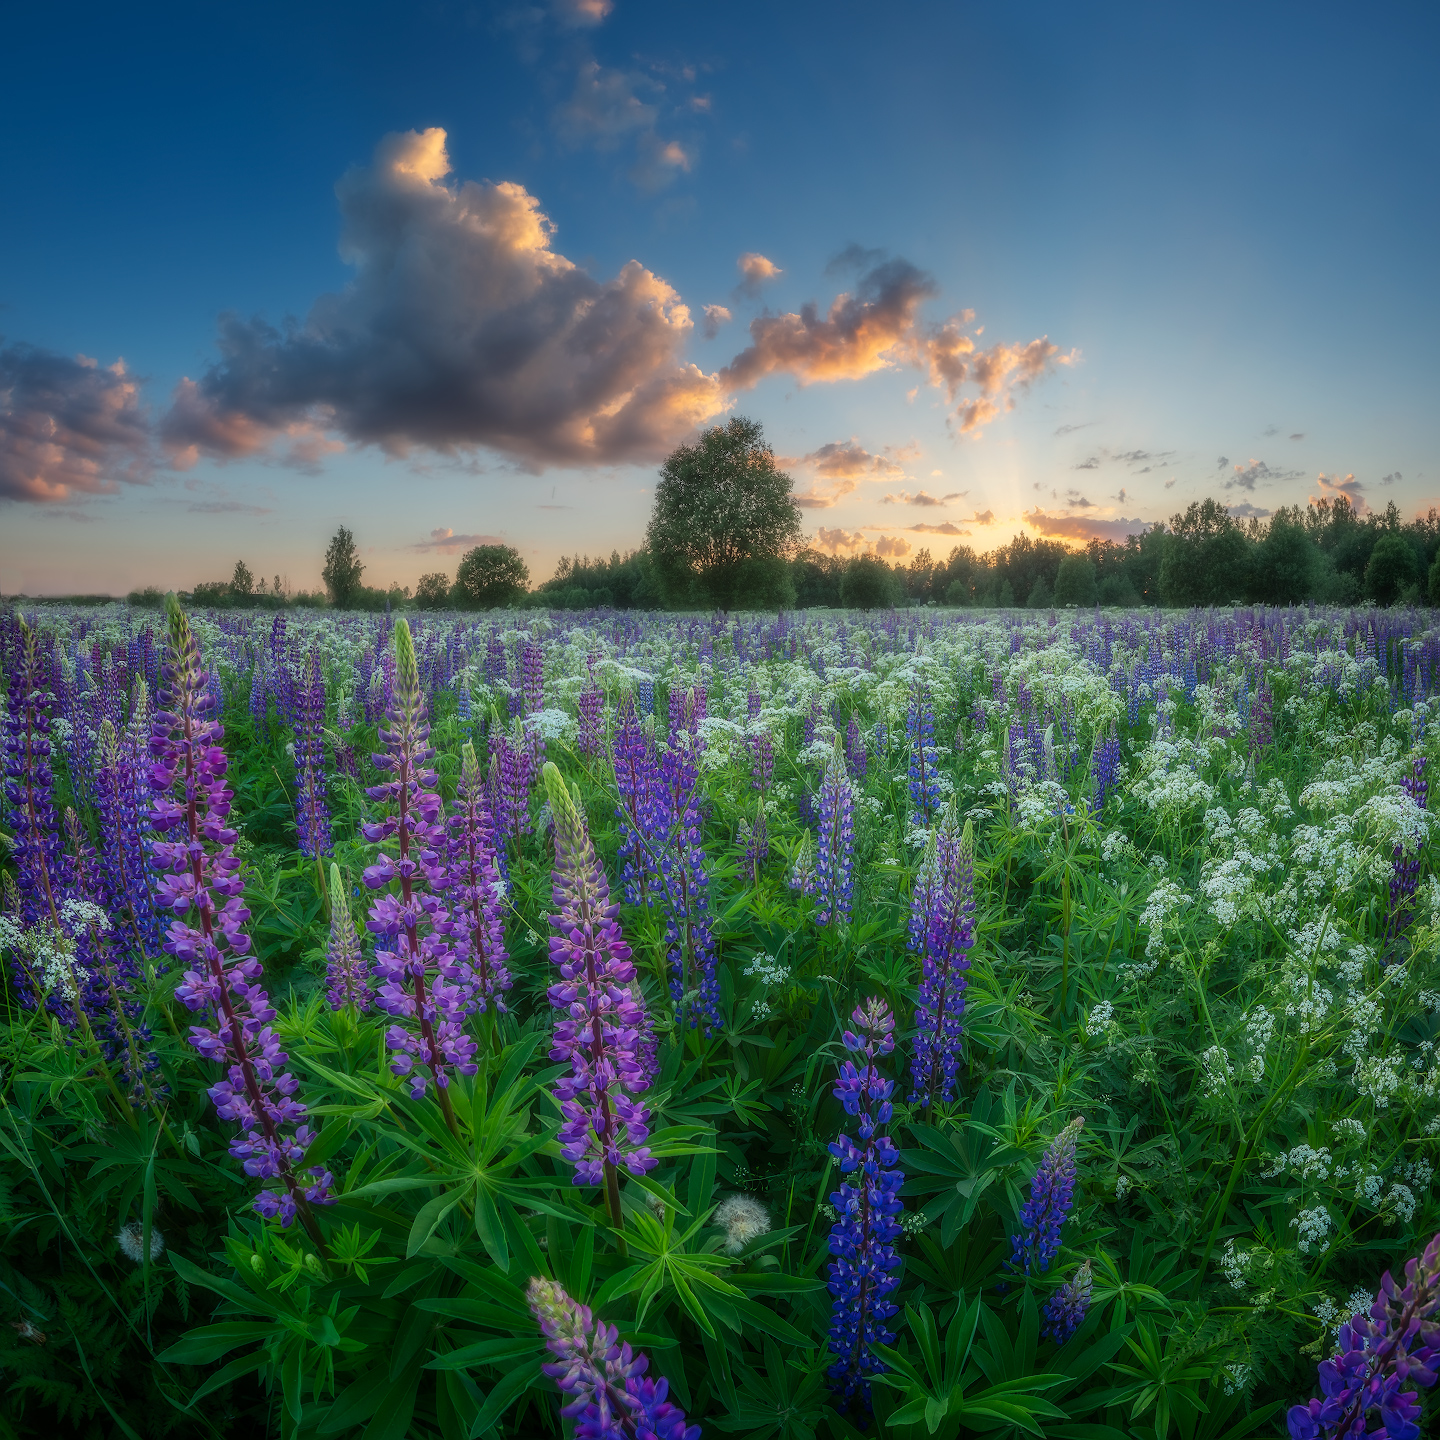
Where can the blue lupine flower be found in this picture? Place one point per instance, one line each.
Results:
(1052, 1192)
(1065, 1310)
(834, 882)
(862, 1240)
(924, 784)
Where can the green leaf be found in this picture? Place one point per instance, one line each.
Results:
(428, 1221)
(210, 1342)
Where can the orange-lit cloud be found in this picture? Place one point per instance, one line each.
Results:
(755, 270)
(715, 317)
(835, 541)
(1333, 486)
(840, 466)
(1083, 527)
(922, 498)
(462, 327)
(68, 427)
(446, 539)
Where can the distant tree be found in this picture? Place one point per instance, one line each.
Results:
(433, 591)
(490, 576)
(1118, 590)
(1040, 597)
(724, 522)
(343, 569)
(868, 583)
(1075, 581)
(1286, 561)
(1391, 569)
(1006, 597)
(242, 582)
(1207, 558)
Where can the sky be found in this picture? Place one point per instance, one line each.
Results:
(453, 274)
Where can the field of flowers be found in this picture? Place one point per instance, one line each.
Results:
(924, 1022)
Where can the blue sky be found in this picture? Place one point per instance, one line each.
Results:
(1198, 244)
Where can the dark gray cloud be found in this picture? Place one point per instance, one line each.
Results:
(463, 327)
(1257, 472)
(1245, 511)
(68, 427)
(1071, 429)
(1082, 527)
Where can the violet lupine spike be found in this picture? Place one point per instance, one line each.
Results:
(476, 923)
(599, 1024)
(1066, 1309)
(855, 754)
(942, 932)
(312, 812)
(1398, 1342)
(611, 1397)
(30, 782)
(924, 783)
(346, 974)
(762, 753)
(1106, 768)
(834, 884)
(637, 781)
(420, 980)
(863, 1238)
(192, 803)
(1052, 1192)
(121, 794)
(592, 701)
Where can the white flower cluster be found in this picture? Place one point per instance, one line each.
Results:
(1311, 1227)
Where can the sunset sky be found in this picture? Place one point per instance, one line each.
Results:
(446, 273)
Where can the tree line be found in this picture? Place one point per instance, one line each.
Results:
(725, 533)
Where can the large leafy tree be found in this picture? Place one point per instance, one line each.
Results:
(343, 569)
(724, 523)
(490, 576)
(1206, 559)
(433, 591)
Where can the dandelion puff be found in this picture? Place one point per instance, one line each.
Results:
(131, 1240)
(743, 1220)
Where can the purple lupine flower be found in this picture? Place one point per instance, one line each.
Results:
(1415, 785)
(420, 979)
(1399, 1341)
(835, 853)
(121, 788)
(924, 784)
(1052, 1192)
(642, 824)
(598, 1021)
(476, 923)
(192, 803)
(312, 813)
(592, 702)
(863, 1238)
(752, 704)
(611, 1396)
(689, 929)
(30, 780)
(942, 932)
(1106, 768)
(762, 753)
(855, 756)
(532, 677)
(512, 772)
(1066, 1309)
(346, 973)
(757, 843)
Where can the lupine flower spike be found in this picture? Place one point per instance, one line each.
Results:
(1052, 1192)
(419, 978)
(1066, 1309)
(599, 1023)
(834, 883)
(345, 969)
(942, 932)
(611, 1397)
(192, 804)
(1398, 1341)
(862, 1240)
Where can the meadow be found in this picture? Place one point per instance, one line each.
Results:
(923, 1022)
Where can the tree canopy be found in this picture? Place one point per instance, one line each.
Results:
(490, 576)
(343, 569)
(724, 522)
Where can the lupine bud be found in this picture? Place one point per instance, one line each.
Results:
(1052, 1192)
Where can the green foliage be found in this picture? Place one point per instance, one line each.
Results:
(1075, 581)
(433, 591)
(1390, 569)
(724, 522)
(489, 577)
(867, 583)
(343, 569)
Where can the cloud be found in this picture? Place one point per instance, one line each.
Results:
(1222, 462)
(834, 541)
(1170, 483)
(1256, 472)
(715, 317)
(878, 326)
(1083, 527)
(605, 111)
(1333, 486)
(892, 546)
(1078, 501)
(446, 539)
(921, 497)
(1299, 435)
(68, 427)
(1271, 430)
(947, 528)
(1391, 478)
(463, 327)
(849, 460)
(1245, 510)
(581, 13)
(983, 517)
(755, 270)
(1071, 429)
(1092, 463)
(1147, 458)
